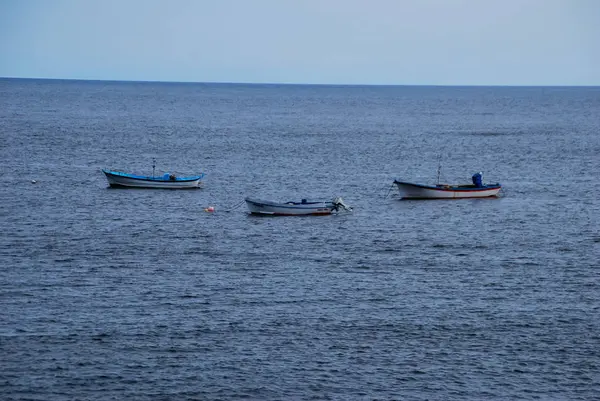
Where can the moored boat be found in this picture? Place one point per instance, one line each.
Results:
(302, 208)
(165, 181)
(478, 189)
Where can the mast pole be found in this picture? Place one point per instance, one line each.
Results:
(439, 169)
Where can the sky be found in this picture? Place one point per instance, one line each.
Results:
(379, 42)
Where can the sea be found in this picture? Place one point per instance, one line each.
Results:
(125, 294)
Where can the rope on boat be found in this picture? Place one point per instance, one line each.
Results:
(236, 206)
(389, 190)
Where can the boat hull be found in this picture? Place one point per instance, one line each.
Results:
(124, 180)
(418, 191)
(269, 208)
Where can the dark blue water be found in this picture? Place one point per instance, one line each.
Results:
(140, 294)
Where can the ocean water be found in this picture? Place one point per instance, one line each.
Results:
(109, 294)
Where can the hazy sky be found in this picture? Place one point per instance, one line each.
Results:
(437, 42)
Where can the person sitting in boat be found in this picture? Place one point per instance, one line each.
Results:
(172, 177)
(478, 179)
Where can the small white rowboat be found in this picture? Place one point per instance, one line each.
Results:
(409, 190)
(302, 208)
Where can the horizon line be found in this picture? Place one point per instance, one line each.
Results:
(295, 83)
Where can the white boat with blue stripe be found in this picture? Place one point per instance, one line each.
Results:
(478, 189)
(165, 181)
(292, 208)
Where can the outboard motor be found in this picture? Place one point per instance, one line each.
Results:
(338, 204)
(478, 179)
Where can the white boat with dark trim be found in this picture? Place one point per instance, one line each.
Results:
(302, 208)
(165, 181)
(478, 189)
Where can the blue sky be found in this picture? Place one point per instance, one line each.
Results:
(431, 42)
